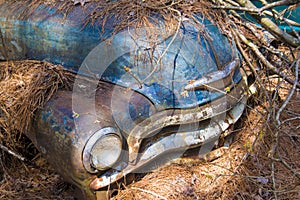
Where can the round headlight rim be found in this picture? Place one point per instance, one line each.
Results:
(86, 157)
(115, 159)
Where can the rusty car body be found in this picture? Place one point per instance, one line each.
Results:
(128, 107)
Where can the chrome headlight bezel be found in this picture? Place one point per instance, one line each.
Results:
(97, 139)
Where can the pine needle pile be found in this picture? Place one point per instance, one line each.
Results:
(25, 87)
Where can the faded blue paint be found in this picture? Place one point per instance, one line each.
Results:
(45, 115)
(68, 129)
(47, 35)
(61, 124)
(65, 120)
(188, 58)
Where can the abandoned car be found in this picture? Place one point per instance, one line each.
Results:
(139, 94)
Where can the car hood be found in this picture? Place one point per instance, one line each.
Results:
(159, 72)
(162, 71)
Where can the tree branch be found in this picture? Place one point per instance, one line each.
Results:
(292, 90)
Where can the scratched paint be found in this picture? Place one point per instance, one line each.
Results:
(47, 35)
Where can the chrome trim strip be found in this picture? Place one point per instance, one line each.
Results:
(187, 139)
(177, 117)
(219, 78)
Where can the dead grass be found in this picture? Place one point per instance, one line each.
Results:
(34, 180)
(126, 13)
(25, 87)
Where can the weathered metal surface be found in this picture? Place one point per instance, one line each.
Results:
(188, 57)
(211, 80)
(62, 143)
(49, 35)
(61, 132)
(177, 117)
(174, 142)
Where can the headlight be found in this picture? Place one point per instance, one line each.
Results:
(102, 150)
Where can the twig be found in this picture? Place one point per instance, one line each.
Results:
(273, 180)
(4, 148)
(159, 7)
(290, 168)
(149, 192)
(277, 3)
(128, 70)
(259, 11)
(290, 119)
(2, 165)
(265, 61)
(278, 53)
(253, 10)
(291, 27)
(248, 62)
(167, 48)
(271, 156)
(232, 2)
(288, 98)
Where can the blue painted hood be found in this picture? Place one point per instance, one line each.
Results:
(49, 35)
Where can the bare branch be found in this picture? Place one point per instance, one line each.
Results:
(4, 148)
(277, 3)
(269, 25)
(149, 192)
(292, 90)
(297, 174)
(266, 62)
(244, 54)
(252, 10)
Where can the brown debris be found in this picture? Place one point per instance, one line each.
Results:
(25, 87)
